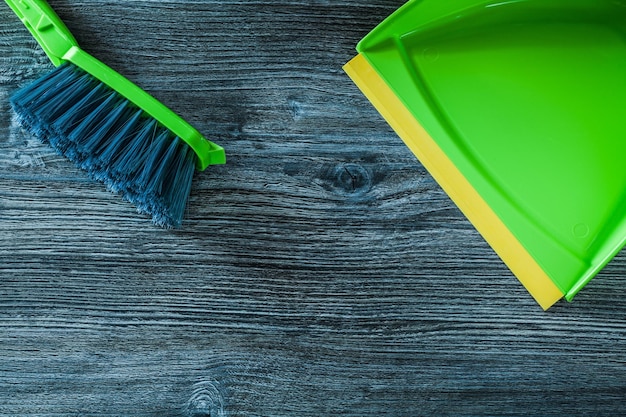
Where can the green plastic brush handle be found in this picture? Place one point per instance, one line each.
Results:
(60, 46)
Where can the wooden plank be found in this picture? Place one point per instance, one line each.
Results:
(320, 272)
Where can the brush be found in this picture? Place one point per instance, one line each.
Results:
(108, 126)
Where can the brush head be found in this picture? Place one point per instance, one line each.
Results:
(112, 139)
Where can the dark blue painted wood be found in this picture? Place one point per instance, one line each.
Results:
(321, 272)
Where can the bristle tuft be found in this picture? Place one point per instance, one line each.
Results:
(112, 139)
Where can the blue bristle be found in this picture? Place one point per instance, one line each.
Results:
(88, 134)
(105, 151)
(112, 139)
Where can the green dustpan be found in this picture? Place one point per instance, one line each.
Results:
(518, 109)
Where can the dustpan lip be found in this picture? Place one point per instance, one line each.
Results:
(454, 183)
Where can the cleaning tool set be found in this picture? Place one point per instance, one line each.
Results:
(107, 125)
(518, 109)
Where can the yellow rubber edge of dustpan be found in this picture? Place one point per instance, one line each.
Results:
(488, 224)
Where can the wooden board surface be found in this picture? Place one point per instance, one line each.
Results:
(320, 272)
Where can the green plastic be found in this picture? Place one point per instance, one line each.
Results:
(59, 44)
(528, 99)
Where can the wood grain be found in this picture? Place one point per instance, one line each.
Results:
(320, 272)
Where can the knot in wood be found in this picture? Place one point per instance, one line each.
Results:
(206, 401)
(352, 179)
